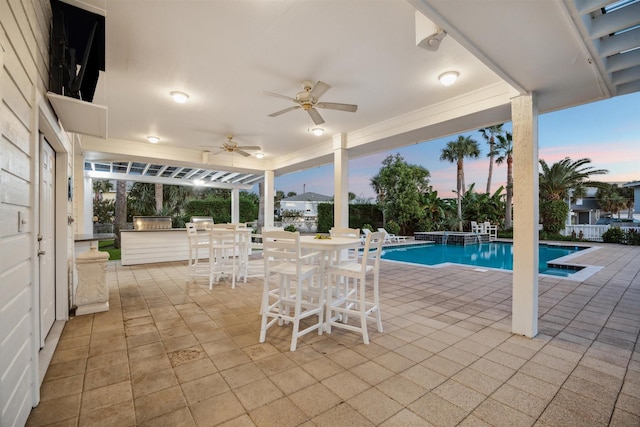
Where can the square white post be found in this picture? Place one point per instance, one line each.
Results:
(269, 197)
(524, 114)
(340, 181)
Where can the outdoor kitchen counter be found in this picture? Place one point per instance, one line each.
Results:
(151, 246)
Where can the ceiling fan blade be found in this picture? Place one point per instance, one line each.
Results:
(315, 116)
(277, 95)
(249, 147)
(244, 153)
(318, 90)
(337, 106)
(286, 110)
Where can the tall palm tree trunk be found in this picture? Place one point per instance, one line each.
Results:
(460, 190)
(507, 213)
(159, 198)
(491, 160)
(121, 210)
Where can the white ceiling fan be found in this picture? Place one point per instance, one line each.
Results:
(308, 100)
(230, 146)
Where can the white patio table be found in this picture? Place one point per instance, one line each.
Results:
(331, 248)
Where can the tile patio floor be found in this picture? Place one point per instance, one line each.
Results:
(171, 352)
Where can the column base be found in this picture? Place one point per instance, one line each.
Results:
(92, 308)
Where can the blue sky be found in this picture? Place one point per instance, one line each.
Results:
(607, 132)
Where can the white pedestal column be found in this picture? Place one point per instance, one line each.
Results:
(92, 295)
(340, 181)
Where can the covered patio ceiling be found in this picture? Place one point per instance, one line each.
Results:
(173, 175)
(223, 54)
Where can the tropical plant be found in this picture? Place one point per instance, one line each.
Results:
(504, 150)
(556, 183)
(490, 134)
(101, 186)
(403, 186)
(291, 228)
(455, 152)
(436, 212)
(103, 211)
(482, 207)
(142, 199)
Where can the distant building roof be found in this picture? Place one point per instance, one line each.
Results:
(308, 197)
(632, 184)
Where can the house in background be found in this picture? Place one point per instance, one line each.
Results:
(586, 210)
(636, 194)
(307, 203)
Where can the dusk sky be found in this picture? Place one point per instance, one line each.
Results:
(607, 132)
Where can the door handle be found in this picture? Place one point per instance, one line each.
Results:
(41, 253)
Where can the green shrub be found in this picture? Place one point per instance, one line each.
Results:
(290, 227)
(392, 227)
(367, 226)
(613, 235)
(632, 237)
(553, 214)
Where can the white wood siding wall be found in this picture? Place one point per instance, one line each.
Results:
(24, 35)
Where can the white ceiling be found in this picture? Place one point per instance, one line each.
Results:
(223, 53)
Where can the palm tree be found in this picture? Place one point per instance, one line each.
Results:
(557, 180)
(556, 185)
(490, 134)
(455, 152)
(504, 150)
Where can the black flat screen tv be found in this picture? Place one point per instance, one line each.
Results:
(77, 51)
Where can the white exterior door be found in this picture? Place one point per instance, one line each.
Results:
(46, 239)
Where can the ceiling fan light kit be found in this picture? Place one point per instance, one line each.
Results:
(317, 131)
(230, 146)
(308, 100)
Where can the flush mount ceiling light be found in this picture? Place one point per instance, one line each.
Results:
(317, 131)
(259, 155)
(179, 97)
(198, 182)
(153, 139)
(448, 78)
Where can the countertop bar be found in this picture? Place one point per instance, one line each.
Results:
(90, 237)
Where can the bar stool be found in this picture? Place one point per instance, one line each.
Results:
(344, 301)
(295, 289)
(223, 245)
(198, 242)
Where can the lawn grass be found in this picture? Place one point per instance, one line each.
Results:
(107, 246)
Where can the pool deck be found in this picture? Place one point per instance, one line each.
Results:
(173, 352)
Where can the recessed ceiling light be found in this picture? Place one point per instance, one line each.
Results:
(317, 131)
(448, 78)
(153, 139)
(259, 155)
(179, 97)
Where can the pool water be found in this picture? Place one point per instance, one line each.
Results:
(491, 255)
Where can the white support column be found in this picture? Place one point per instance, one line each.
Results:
(340, 181)
(524, 114)
(235, 205)
(269, 197)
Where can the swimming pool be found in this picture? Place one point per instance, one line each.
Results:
(491, 255)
